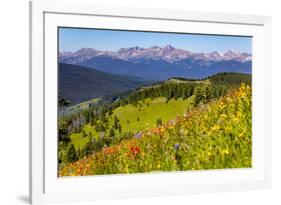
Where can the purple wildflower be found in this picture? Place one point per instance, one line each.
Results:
(138, 135)
(177, 146)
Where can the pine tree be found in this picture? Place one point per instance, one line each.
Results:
(206, 94)
(84, 133)
(119, 129)
(184, 94)
(71, 154)
(159, 122)
(110, 111)
(198, 95)
(111, 133)
(116, 122)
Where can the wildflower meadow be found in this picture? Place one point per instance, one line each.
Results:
(216, 134)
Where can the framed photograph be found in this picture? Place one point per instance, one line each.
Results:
(129, 102)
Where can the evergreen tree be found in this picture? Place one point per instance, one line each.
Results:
(206, 94)
(184, 94)
(198, 95)
(159, 122)
(71, 154)
(119, 129)
(63, 132)
(116, 122)
(111, 133)
(84, 133)
(110, 111)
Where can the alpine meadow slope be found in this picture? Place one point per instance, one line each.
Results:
(215, 111)
(215, 135)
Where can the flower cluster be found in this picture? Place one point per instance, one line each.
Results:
(135, 150)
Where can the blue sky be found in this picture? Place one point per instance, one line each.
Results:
(72, 39)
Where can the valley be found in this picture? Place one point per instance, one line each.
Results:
(172, 111)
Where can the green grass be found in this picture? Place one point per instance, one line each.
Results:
(78, 140)
(84, 105)
(81, 106)
(175, 81)
(148, 112)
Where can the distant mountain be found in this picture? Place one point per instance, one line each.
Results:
(158, 63)
(167, 53)
(78, 84)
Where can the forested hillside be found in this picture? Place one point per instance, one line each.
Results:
(177, 109)
(78, 84)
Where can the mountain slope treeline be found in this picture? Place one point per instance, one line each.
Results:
(78, 84)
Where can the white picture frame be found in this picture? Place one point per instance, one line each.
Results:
(46, 187)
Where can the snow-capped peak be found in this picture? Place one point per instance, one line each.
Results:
(167, 53)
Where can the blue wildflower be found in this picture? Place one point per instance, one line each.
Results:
(138, 135)
(177, 146)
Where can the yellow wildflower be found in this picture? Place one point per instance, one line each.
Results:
(215, 128)
(223, 116)
(236, 119)
(172, 127)
(222, 105)
(225, 151)
(239, 114)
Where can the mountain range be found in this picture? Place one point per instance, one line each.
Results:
(159, 63)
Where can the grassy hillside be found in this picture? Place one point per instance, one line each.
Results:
(137, 118)
(110, 121)
(78, 107)
(147, 112)
(211, 136)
